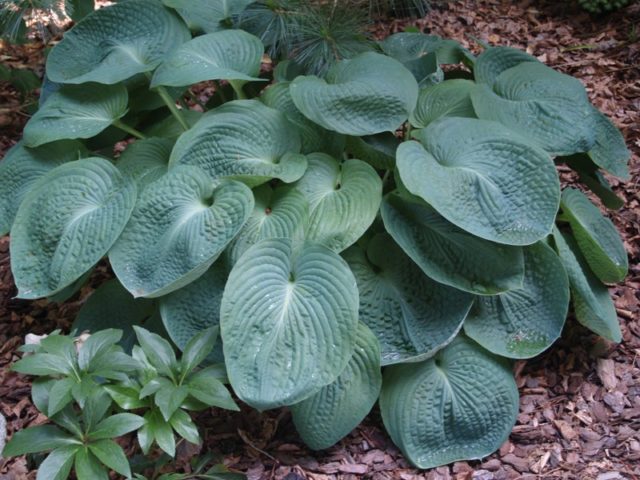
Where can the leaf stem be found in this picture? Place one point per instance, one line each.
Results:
(237, 87)
(130, 130)
(172, 106)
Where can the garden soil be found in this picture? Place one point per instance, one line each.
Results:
(580, 401)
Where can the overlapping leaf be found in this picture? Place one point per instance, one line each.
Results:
(524, 322)
(208, 15)
(459, 405)
(227, 55)
(409, 46)
(483, 178)
(115, 43)
(597, 237)
(448, 99)
(67, 223)
(23, 166)
(609, 152)
(592, 303)
(548, 107)
(447, 253)
(180, 225)
(194, 308)
(329, 415)
(379, 150)
(411, 315)
(368, 94)
(343, 200)
(243, 140)
(76, 111)
(495, 60)
(279, 213)
(146, 160)
(288, 321)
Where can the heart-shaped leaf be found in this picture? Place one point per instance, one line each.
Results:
(194, 308)
(208, 15)
(314, 138)
(76, 111)
(288, 321)
(548, 107)
(226, 55)
(379, 150)
(329, 415)
(524, 322)
(459, 405)
(591, 300)
(610, 152)
(411, 315)
(116, 43)
(77, 201)
(448, 254)
(280, 213)
(243, 140)
(484, 178)
(495, 60)
(451, 98)
(23, 166)
(410, 46)
(368, 94)
(180, 225)
(343, 199)
(597, 237)
(146, 160)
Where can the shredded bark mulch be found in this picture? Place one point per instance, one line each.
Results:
(580, 401)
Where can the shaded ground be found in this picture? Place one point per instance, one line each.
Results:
(580, 401)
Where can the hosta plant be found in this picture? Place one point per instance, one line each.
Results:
(385, 232)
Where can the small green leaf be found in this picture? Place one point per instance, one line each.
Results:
(368, 94)
(127, 398)
(184, 426)
(68, 419)
(116, 43)
(42, 364)
(60, 395)
(329, 415)
(37, 439)
(459, 405)
(157, 429)
(95, 406)
(58, 463)
(197, 350)
(97, 344)
(112, 455)
(158, 351)
(226, 55)
(597, 237)
(79, 111)
(524, 322)
(205, 387)
(182, 212)
(88, 467)
(116, 426)
(169, 398)
(343, 198)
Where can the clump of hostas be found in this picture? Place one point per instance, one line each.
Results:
(602, 6)
(385, 232)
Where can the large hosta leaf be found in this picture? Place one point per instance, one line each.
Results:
(227, 55)
(343, 199)
(280, 213)
(23, 166)
(194, 308)
(115, 43)
(244, 140)
(410, 46)
(448, 99)
(112, 306)
(411, 315)
(288, 320)
(495, 60)
(378, 150)
(208, 15)
(369, 94)
(610, 151)
(180, 225)
(546, 106)
(597, 237)
(67, 223)
(524, 322)
(329, 415)
(592, 302)
(76, 111)
(314, 138)
(448, 254)
(484, 178)
(146, 160)
(459, 405)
